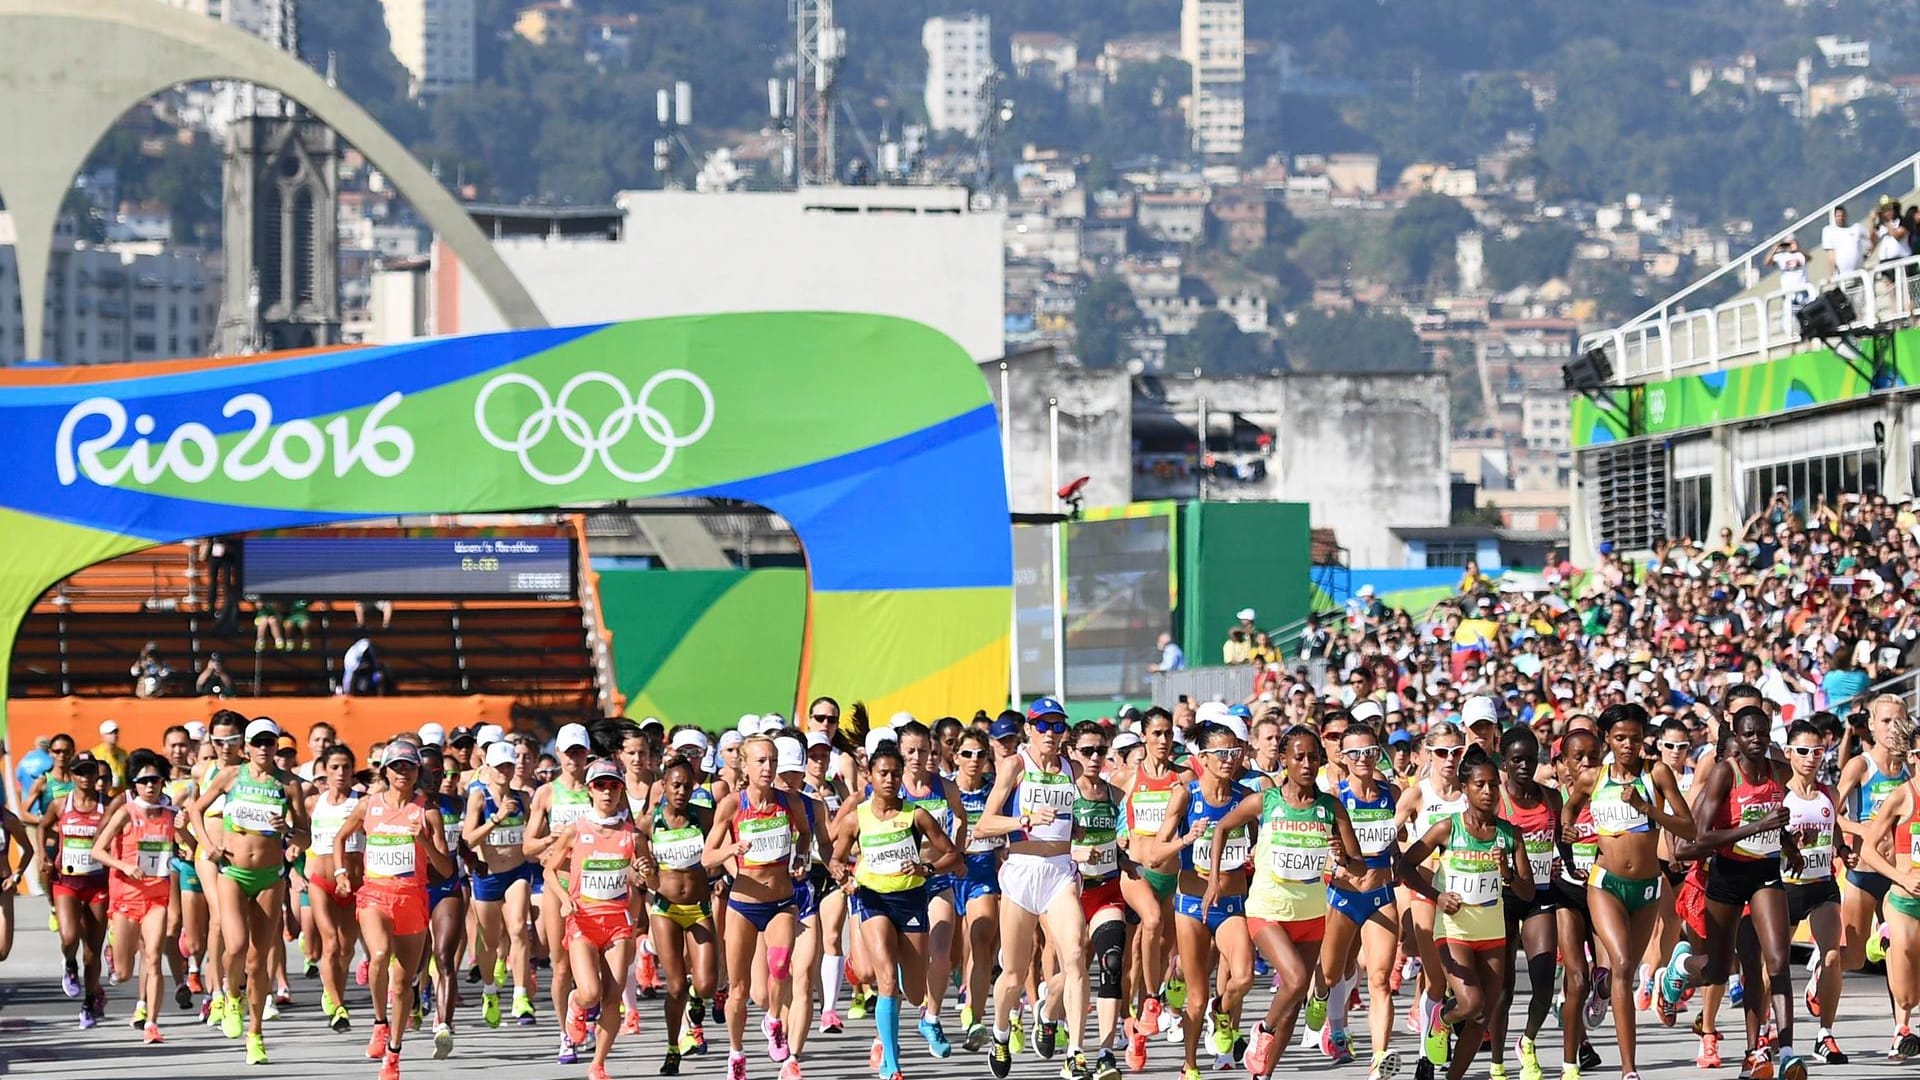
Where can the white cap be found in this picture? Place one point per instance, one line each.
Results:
(689, 739)
(1211, 712)
(819, 738)
(790, 755)
(1245, 614)
(433, 735)
(900, 720)
(878, 736)
(572, 735)
(1366, 590)
(772, 721)
(1562, 693)
(749, 725)
(196, 730)
(108, 727)
(1478, 708)
(731, 738)
(488, 733)
(500, 755)
(1366, 710)
(651, 721)
(1234, 724)
(260, 726)
(1125, 741)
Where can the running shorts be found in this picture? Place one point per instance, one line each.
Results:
(1477, 926)
(88, 889)
(599, 928)
(132, 903)
(760, 913)
(492, 888)
(1035, 881)
(404, 907)
(1904, 904)
(1633, 893)
(1691, 904)
(1734, 881)
(1224, 908)
(1358, 907)
(1298, 931)
(1803, 900)
(1098, 896)
(683, 915)
(906, 909)
(1870, 882)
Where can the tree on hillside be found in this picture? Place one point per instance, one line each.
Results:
(1539, 253)
(1356, 341)
(1423, 231)
(1103, 316)
(1217, 346)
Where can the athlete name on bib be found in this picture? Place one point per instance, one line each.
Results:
(1759, 845)
(390, 855)
(1373, 827)
(247, 815)
(507, 835)
(603, 879)
(76, 856)
(678, 849)
(769, 839)
(1150, 811)
(1475, 875)
(1233, 853)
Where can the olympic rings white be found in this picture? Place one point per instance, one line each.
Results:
(555, 412)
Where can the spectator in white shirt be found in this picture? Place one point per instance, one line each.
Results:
(1845, 244)
(1792, 264)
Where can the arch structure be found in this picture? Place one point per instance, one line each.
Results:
(70, 68)
(873, 436)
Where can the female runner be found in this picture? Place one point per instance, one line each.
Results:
(264, 813)
(1813, 896)
(495, 829)
(1096, 851)
(598, 849)
(639, 755)
(1740, 815)
(137, 844)
(1534, 811)
(890, 878)
(1629, 796)
(1038, 879)
(446, 900)
(187, 929)
(823, 782)
(672, 841)
(555, 806)
(1209, 914)
(1674, 746)
(1149, 788)
(1425, 804)
(334, 922)
(226, 740)
(400, 831)
(79, 882)
(761, 831)
(1304, 832)
(1580, 849)
(1482, 858)
(924, 788)
(980, 888)
(1887, 849)
(1362, 923)
(1867, 782)
(790, 773)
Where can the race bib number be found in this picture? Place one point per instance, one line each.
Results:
(153, 856)
(76, 857)
(603, 880)
(390, 856)
(507, 836)
(1374, 830)
(769, 840)
(252, 817)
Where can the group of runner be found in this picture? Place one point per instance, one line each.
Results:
(1079, 889)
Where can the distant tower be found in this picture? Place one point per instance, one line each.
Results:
(282, 288)
(819, 48)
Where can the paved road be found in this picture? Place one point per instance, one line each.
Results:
(39, 1037)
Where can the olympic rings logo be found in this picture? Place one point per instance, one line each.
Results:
(557, 413)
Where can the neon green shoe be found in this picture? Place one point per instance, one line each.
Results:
(1190, 1074)
(1569, 1072)
(256, 1049)
(1436, 1045)
(857, 1008)
(1017, 1036)
(216, 1009)
(1497, 1071)
(522, 1008)
(499, 972)
(1176, 996)
(139, 1015)
(230, 1021)
(327, 1005)
(490, 1009)
(966, 1017)
(1529, 1061)
(1316, 1012)
(1223, 1032)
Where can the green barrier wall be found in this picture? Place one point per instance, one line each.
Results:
(1238, 555)
(705, 646)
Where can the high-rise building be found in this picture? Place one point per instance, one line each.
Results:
(110, 303)
(434, 41)
(1213, 41)
(277, 22)
(959, 62)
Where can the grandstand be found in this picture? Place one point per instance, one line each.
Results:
(1710, 407)
(83, 635)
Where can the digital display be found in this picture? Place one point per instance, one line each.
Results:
(1119, 600)
(407, 568)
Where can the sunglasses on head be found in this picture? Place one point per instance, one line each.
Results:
(1049, 727)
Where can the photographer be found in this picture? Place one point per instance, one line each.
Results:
(1889, 234)
(1792, 264)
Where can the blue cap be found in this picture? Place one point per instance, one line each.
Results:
(1003, 727)
(1399, 738)
(1240, 711)
(1045, 706)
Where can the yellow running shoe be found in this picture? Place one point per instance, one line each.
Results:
(1529, 1060)
(256, 1049)
(231, 1019)
(490, 1009)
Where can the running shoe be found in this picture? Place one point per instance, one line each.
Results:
(1435, 1043)
(831, 1024)
(1219, 1027)
(777, 1048)
(936, 1037)
(1667, 1012)
(1413, 1015)
(88, 1018)
(575, 1025)
(1386, 1065)
(283, 996)
(231, 1020)
(1017, 1037)
(1736, 989)
(195, 984)
(490, 1008)
(1643, 992)
(1046, 1038)
(1589, 1057)
(789, 1071)
(1261, 1051)
(568, 1054)
(1150, 1010)
(1829, 1050)
(695, 1040)
(1316, 1012)
(1075, 1067)
(966, 1013)
(139, 1019)
(977, 1037)
(360, 973)
(1906, 1044)
(1176, 995)
(1673, 977)
(1709, 1056)
(649, 981)
(206, 1011)
(270, 1011)
(1136, 1046)
(736, 1066)
(1000, 1058)
(390, 1066)
(106, 961)
(876, 1056)
(1105, 1067)
(1338, 1046)
(1792, 1067)
(70, 980)
(442, 1042)
(153, 1036)
(1190, 1074)
(377, 1042)
(1634, 1075)
(597, 1072)
(1877, 944)
(1497, 1070)
(182, 996)
(256, 1049)
(1813, 999)
(1432, 1018)
(342, 1020)
(1529, 1059)
(499, 970)
(1598, 996)
(522, 1009)
(629, 1021)
(670, 1065)
(1758, 1064)
(473, 974)
(1570, 1072)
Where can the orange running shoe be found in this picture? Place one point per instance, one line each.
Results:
(390, 1067)
(377, 1043)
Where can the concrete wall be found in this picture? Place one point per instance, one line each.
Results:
(1096, 431)
(1368, 452)
(910, 252)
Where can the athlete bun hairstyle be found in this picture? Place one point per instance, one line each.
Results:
(1626, 710)
(143, 758)
(1803, 727)
(1751, 710)
(607, 734)
(336, 750)
(1209, 733)
(1362, 727)
(1520, 737)
(1475, 757)
(228, 718)
(678, 761)
(886, 751)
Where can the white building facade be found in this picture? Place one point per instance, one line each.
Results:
(959, 60)
(1213, 42)
(109, 303)
(434, 41)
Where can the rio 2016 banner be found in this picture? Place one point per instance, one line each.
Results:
(874, 437)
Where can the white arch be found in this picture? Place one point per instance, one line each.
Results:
(70, 68)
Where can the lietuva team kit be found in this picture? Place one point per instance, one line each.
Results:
(1084, 892)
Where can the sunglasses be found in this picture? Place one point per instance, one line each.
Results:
(1222, 751)
(1340, 734)
(825, 718)
(1806, 751)
(971, 754)
(226, 740)
(1360, 753)
(150, 778)
(1091, 751)
(545, 774)
(604, 784)
(404, 766)
(1049, 727)
(1668, 744)
(265, 740)
(1447, 751)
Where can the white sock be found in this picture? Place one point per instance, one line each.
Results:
(488, 989)
(832, 970)
(1337, 1003)
(630, 994)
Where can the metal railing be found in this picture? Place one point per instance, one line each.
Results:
(1751, 328)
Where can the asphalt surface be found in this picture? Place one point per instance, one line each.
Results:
(40, 1037)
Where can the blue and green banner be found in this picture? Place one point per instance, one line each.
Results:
(873, 436)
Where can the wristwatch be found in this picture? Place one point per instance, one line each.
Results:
(1026, 821)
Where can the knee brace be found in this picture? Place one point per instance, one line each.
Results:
(1109, 952)
(779, 963)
